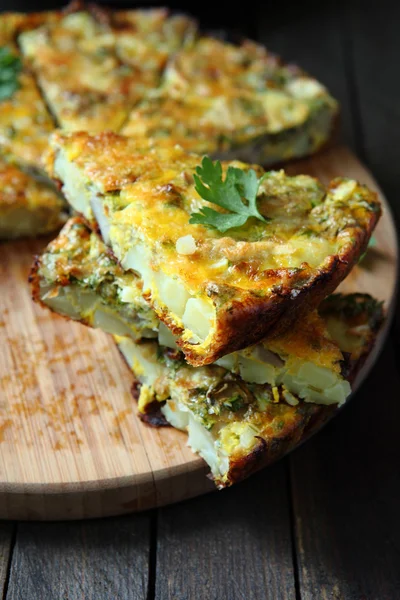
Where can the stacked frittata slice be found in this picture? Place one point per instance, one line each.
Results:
(213, 277)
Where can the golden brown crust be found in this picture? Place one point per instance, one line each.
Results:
(270, 450)
(247, 322)
(307, 423)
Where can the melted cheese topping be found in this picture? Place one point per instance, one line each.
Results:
(93, 68)
(79, 73)
(146, 196)
(215, 95)
(25, 123)
(150, 37)
(215, 124)
(98, 69)
(211, 66)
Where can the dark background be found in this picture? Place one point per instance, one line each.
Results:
(324, 522)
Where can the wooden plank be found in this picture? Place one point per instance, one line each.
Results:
(373, 42)
(346, 491)
(7, 531)
(75, 561)
(370, 56)
(231, 544)
(344, 497)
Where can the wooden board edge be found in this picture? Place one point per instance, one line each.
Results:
(117, 496)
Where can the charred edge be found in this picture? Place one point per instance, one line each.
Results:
(246, 325)
(33, 278)
(269, 451)
(153, 415)
(135, 389)
(154, 419)
(246, 465)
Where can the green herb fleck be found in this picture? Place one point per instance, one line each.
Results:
(227, 194)
(10, 68)
(234, 404)
(308, 233)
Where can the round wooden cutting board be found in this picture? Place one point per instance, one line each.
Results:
(71, 444)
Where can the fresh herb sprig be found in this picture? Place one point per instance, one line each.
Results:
(228, 194)
(10, 68)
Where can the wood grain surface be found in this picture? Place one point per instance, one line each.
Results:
(328, 557)
(345, 487)
(71, 443)
(91, 562)
(254, 557)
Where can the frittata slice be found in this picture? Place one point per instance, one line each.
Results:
(236, 102)
(146, 39)
(27, 207)
(94, 66)
(25, 123)
(235, 426)
(77, 277)
(82, 79)
(217, 292)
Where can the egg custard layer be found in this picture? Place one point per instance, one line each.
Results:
(217, 292)
(235, 425)
(27, 207)
(76, 277)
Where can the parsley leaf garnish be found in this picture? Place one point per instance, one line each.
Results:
(228, 194)
(10, 68)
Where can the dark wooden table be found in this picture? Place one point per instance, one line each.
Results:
(324, 523)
